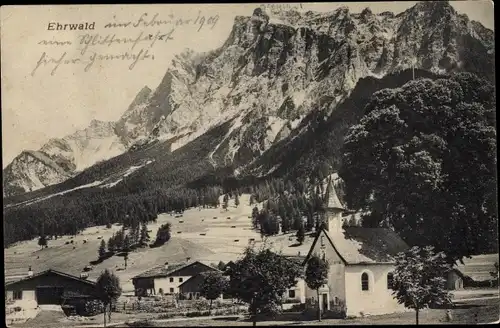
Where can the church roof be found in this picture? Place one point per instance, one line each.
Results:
(331, 199)
(356, 245)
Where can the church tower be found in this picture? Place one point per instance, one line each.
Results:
(333, 209)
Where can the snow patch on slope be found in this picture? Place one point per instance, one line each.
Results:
(237, 124)
(128, 172)
(36, 200)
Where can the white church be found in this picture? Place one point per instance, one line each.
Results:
(361, 262)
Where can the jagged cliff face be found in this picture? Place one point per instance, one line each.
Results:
(30, 171)
(60, 159)
(274, 69)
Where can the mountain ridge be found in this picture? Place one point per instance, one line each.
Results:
(274, 70)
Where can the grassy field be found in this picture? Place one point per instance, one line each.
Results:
(223, 239)
(217, 244)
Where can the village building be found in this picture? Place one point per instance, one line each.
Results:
(171, 279)
(361, 262)
(48, 287)
(297, 293)
(454, 279)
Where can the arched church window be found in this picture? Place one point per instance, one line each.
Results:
(365, 284)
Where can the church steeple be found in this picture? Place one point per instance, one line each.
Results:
(333, 208)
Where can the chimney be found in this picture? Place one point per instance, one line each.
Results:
(166, 265)
(30, 272)
(187, 260)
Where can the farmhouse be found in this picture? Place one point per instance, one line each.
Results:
(47, 287)
(360, 265)
(167, 279)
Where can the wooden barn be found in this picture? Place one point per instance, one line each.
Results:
(48, 287)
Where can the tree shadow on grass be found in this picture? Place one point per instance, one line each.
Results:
(226, 319)
(464, 306)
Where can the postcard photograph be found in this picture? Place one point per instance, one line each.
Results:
(249, 164)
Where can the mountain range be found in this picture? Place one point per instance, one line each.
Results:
(276, 98)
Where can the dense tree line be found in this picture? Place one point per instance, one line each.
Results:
(289, 206)
(69, 214)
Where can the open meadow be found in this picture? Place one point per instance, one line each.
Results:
(210, 234)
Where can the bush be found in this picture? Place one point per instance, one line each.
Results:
(296, 308)
(140, 323)
(168, 315)
(197, 314)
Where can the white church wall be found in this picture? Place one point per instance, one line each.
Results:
(336, 281)
(378, 299)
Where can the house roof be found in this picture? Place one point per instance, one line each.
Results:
(161, 271)
(296, 259)
(356, 245)
(458, 272)
(59, 273)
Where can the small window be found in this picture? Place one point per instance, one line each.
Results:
(180, 279)
(171, 290)
(390, 280)
(17, 294)
(171, 279)
(322, 241)
(291, 293)
(364, 281)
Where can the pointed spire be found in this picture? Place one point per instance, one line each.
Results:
(331, 199)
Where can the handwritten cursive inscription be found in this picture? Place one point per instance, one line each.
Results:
(148, 20)
(89, 40)
(135, 44)
(88, 61)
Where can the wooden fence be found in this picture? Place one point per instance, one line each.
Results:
(181, 307)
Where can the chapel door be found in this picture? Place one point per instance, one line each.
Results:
(324, 300)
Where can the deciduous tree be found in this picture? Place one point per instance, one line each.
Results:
(423, 161)
(108, 286)
(316, 276)
(260, 279)
(212, 286)
(419, 279)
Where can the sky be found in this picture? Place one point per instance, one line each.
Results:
(38, 105)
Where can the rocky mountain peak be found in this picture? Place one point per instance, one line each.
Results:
(274, 69)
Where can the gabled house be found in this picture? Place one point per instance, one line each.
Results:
(361, 262)
(49, 287)
(167, 279)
